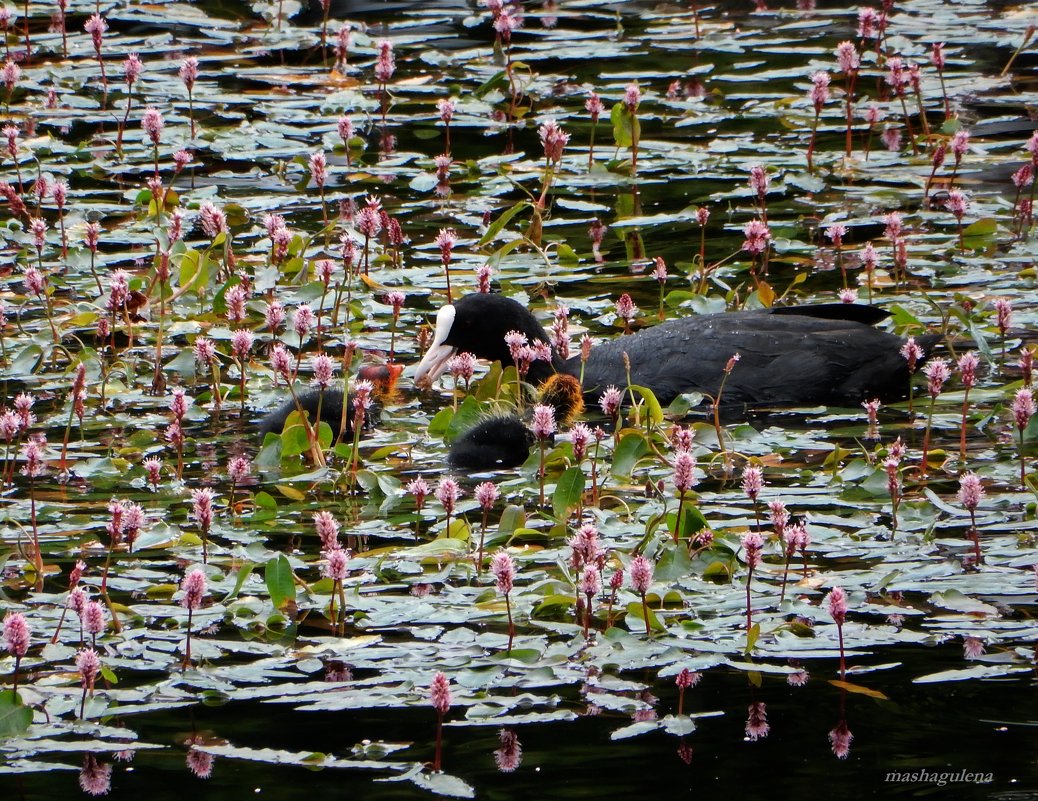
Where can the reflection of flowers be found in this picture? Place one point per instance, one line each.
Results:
(840, 739)
(510, 754)
(95, 778)
(200, 763)
(757, 726)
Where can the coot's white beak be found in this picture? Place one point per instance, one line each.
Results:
(435, 360)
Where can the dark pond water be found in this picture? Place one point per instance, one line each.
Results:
(277, 700)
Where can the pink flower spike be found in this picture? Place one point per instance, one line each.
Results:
(971, 491)
(1004, 314)
(847, 57)
(758, 181)
(94, 618)
(152, 123)
(336, 563)
(972, 647)
(189, 72)
(912, 353)
(684, 471)
(202, 507)
(503, 569)
(626, 310)
(385, 63)
(840, 739)
(836, 603)
(88, 664)
(132, 68)
(752, 481)
(1023, 408)
(594, 105)
(486, 494)
(318, 168)
(632, 97)
(819, 89)
(957, 203)
(936, 372)
(238, 469)
(445, 107)
(194, 589)
(967, 364)
(543, 425)
(447, 493)
(937, 55)
(753, 544)
(16, 634)
(440, 693)
(554, 140)
(641, 574)
(757, 727)
(610, 401)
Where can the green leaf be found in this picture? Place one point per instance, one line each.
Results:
(567, 255)
(512, 519)
(752, 636)
(903, 317)
(674, 564)
(294, 440)
(692, 521)
(636, 612)
(15, 717)
(193, 270)
(495, 227)
(652, 406)
(280, 581)
(626, 128)
(569, 489)
(487, 387)
(440, 422)
(497, 81)
(264, 500)
(985, 226)
(631, 448)
(468, 415)
(27, 360)
(243, 573)
(458, 530)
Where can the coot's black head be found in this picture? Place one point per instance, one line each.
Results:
(495, 443)
(477, 324)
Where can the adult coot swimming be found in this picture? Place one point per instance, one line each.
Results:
(790, 356)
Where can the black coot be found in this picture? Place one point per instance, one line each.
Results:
(791, 356)
(496, 443)
(382, 378)
(331, 412)
(503, 441)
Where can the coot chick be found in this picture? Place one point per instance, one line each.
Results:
(496, 443)
(383, 380)
(792, 356)
(503, 441)
(331, 409)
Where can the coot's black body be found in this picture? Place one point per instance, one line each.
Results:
(331, 408)
(793, 356)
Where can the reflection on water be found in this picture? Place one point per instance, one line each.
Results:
(272, 709)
